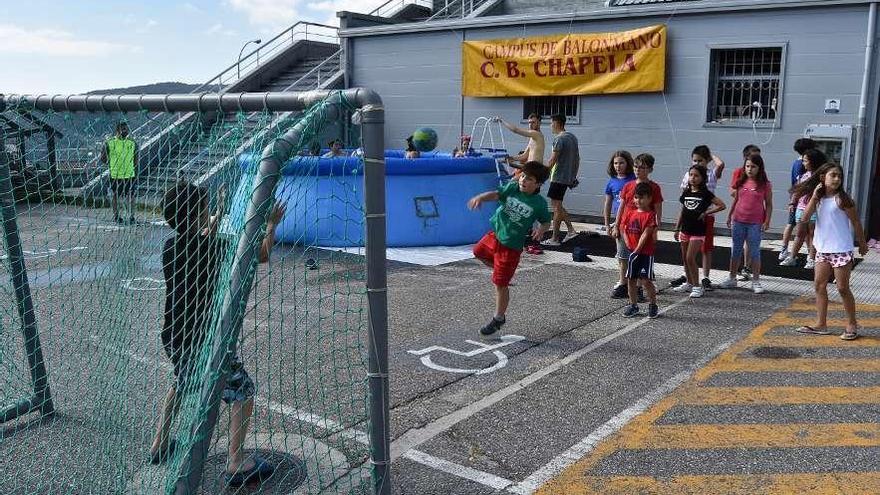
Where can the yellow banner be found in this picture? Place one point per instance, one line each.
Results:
(573, 64)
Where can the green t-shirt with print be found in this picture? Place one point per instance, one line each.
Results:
(516, 213)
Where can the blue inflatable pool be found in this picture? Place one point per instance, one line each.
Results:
(426, 199)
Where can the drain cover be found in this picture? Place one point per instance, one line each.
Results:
(775, 353)
(290, 473)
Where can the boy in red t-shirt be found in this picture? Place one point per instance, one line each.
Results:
(644, 165)
(639, 227)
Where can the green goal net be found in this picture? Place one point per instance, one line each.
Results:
(128, 315)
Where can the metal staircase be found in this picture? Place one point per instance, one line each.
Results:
(431, 10)
(213, 141)
(306, 56)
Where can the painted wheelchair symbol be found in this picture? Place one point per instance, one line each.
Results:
(480, 349)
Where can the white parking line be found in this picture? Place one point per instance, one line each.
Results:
(333, 426)
(613, 425)
(415, 437)
(460, 471)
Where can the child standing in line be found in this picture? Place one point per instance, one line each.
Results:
(701, 156)
(620, 171)
(836, 223)
(698, 204)
(801, 146)
(812, 160)
(644, 165)
(519, 207)
(639, 229)
(749, 217)
(745, 273)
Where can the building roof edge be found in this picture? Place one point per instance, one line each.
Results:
(647, 11)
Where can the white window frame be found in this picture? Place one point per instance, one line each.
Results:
(569, 119)
(710, 88)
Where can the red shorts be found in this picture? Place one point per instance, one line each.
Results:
(710, 235)
(504, 259)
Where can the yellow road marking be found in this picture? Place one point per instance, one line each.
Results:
(810, 305)
(832, 322)
(818, 484)
(728, 396)
(811, 341)
(642, 433)
(730, 436)
(799, 365)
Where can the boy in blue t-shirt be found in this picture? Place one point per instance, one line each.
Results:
(520, 206)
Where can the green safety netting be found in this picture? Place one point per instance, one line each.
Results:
(98, 290)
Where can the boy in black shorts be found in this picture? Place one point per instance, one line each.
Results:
(191, 261)
(565, 161)
(638, 231)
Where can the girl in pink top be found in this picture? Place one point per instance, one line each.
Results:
(812, 160)
(749, 218)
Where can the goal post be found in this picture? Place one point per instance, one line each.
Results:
(221, 345)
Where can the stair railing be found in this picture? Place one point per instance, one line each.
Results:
(456, 8)
(310, 31)
(391, 7)
(316, 70)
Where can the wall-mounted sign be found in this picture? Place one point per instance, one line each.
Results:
(832, 105)
(570, 64)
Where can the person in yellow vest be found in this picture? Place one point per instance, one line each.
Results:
(120, 153)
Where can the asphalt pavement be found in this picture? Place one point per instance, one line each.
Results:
(571, 397)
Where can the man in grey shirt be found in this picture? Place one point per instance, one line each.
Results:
(564, 164)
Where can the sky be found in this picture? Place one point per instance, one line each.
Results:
(75, 46)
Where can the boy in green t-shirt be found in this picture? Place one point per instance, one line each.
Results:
(520, 206)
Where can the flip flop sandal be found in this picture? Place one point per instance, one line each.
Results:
(161, 456)
(810, 330)
(261, 471)
(850, 335)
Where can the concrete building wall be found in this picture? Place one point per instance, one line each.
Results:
(419, 78)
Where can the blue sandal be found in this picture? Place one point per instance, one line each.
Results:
(261, 471)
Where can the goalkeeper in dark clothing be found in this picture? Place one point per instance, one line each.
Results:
(191, 261)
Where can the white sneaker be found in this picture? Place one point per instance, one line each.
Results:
(788, 261)
(810, 264)
(697, 292)
(784, 254)
(685, 287)
(569, 236)
(729, 283)
(550, 242)
(757, 288)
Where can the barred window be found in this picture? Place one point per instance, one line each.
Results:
(744, 85)
(545, 106)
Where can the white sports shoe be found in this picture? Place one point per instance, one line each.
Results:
(788, 261)
(810, 264)
(729, 283)
(685, 287)
(696, 292)
(784, 254)
(757, 288)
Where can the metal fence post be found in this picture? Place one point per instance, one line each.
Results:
(373, 128)
(42, 398)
